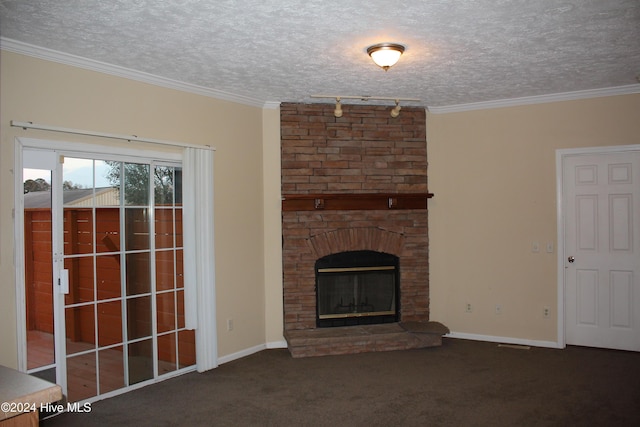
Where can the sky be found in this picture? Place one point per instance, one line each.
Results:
(78, 171)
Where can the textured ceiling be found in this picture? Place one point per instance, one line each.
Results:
(457, 51)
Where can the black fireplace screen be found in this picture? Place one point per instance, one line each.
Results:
(355, 288)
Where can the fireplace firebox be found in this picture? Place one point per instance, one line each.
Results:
(357, 288)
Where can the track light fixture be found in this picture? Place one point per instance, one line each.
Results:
(395, 111)
(338, 111)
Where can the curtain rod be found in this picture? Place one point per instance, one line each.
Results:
(129, 138)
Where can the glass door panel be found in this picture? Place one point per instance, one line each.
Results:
(140, 361)
(125, 308)
(79, 237)
(81, 384)
(79, 328)
(164, 223)
(166, 311)
(107, 230)
(80, 280)
(186, 348)
(137, 229)
(109, 323)
(167, 353)
(38, 272)
(139, 317)
(111, 366)
(179, 270)
(138, 276)
(78, 229)
(108, 276)
(165, 270)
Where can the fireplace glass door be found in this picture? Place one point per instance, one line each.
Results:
(355, 288)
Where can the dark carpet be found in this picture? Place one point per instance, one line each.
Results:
(462, 383)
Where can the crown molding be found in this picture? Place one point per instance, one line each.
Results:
(540, 99)
(27, 49)
(271, 105)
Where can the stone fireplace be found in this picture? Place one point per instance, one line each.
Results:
(353, 185)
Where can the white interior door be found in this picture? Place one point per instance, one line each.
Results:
(601, 198)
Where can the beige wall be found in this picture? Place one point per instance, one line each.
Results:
(492, 172)
(493, 175)
(55, 94)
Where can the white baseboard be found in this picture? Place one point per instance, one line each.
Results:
(240, 354)
(504, 340)
(459, 335)
(251, 350)
(277, 344)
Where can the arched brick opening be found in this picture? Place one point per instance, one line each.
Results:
(356, 239)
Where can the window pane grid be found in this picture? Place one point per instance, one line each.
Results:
(128, 247)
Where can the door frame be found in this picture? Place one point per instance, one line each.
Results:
(561, 154)
(19, 262)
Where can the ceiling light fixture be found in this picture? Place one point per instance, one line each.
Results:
(385, 55)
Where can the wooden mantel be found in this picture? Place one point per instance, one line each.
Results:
(375, 201)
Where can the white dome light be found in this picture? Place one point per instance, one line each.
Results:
(385, 55)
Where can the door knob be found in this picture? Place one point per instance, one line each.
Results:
(571, 259)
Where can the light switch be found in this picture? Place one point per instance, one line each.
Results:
(535, 247)
(550, 247)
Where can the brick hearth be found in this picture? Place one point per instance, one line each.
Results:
(363, 152)
(365, 338)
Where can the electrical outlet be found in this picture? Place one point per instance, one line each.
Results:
(546, 312)
(468, 308)
(498, 309)
(229, 325)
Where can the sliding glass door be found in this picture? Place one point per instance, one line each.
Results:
(116, 278)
